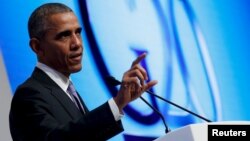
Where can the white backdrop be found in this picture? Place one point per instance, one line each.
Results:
(5, 94)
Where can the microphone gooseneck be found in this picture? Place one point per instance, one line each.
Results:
(184, 109)
(112, 81)
(155, 110)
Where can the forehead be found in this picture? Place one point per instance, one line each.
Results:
(62, 21)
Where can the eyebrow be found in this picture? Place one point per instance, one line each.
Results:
(63, 33)
(79, 29)
(67, 32)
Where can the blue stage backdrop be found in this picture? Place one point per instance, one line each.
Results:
(198, 50)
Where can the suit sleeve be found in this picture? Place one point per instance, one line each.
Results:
(32, 119)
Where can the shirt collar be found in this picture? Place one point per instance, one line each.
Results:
(61, 80)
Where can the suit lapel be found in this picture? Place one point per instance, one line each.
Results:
(57, 92)
(66, 102)
(83, 104)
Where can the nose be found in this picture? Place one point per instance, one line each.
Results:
(76, 41)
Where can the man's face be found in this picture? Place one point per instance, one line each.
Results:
(62, 44)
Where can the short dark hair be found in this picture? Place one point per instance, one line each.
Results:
(39, 18)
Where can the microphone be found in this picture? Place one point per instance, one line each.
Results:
(111, 80)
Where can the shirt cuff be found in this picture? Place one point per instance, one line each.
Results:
(115, 110)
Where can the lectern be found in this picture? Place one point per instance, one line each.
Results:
(199, 132)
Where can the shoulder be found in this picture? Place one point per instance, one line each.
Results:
(30, 88)
(37, 83)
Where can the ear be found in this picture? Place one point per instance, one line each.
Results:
(36, 47)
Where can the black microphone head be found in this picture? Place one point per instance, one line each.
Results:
(112, 81)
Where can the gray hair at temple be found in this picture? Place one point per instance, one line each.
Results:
(39, 18)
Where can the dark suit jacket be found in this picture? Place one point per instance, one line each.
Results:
(41, 111)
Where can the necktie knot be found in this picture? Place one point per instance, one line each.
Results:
(71, 89)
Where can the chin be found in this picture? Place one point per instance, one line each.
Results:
(76, 69)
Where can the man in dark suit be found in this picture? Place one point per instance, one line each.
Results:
(46, 107)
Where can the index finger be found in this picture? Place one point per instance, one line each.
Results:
(138, 59)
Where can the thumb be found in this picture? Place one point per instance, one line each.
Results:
(150, 85)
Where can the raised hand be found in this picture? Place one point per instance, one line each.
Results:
(133, 83)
